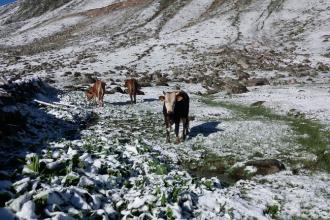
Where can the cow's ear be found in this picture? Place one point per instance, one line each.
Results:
(161, 98)
(179, 98)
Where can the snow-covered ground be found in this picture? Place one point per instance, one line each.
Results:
(313, 101)
(121, 167)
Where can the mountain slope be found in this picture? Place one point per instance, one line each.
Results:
(290, 27)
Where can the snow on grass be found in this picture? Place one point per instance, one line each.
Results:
(240, 139)
(298, 195)
(91, 4)
(124, 157)
(216, 31)
(187, 14)
(44, 30)
(313, 101)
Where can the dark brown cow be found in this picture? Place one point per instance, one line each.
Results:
(96, 92)
(132, 89)
(176, 109)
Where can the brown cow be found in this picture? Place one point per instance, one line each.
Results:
(96, 92)
(176, 109)
(132, 89)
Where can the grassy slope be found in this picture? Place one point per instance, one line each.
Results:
(310, 134)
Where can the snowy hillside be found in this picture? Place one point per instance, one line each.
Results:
(258, 76)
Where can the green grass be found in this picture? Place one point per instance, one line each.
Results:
(34, 165)
(310, 134)
(272, 210)
(211, 165)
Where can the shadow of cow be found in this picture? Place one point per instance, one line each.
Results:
(205, 129)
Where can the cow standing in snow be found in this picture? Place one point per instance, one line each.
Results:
(176, 109)
(96, 92)
(132, 89)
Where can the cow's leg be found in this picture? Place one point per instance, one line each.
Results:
(135, 98)
(187, 125)
(168, 129)
(102, 99)
(184, 129)
(99, 97)
(177, 127)
(131, 97)
(101, 102)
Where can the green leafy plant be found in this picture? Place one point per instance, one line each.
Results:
(163, 200)
(169, 213)
(34, 164)
(272, 210)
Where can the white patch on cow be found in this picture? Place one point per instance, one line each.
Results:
(170, 98)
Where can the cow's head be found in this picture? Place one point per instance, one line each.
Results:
(169, 99)
(89, 95)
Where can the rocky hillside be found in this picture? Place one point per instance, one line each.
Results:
(143, 30)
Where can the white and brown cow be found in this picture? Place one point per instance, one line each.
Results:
(176, 110)
(96, 92)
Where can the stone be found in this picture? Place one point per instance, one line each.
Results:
(27, 211)
(257, 82)
(234, 87)
(257, 104)
(266, 166)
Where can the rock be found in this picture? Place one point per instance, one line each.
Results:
(242, 75)
(114, 90)
(161, 83)
(322, 67)
(257, 82)
(295, 113)
(49, 80)
(145, 84)
(62, 216)
(97, 202)
(27, 211)
(92, 60)
(266, 166)
(85, 182)
(77, 74)
(112, 213)
(257, 104)
(78, 202)
(88, 79)
(22, 185)
(67, 73)
(59, 164)
(53, 198)
(17, 203)
(234, 87)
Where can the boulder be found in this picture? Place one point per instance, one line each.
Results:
(266, 166)
(257, 82)
(234, 87)
(257, 104)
